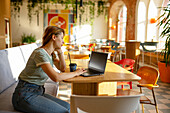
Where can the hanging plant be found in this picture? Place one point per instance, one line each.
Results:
(16, 10)
(35, 6)
(100, 8)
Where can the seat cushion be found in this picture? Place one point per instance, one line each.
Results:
(6, 100)
(6, 97)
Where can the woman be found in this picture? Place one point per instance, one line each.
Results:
(29, 94)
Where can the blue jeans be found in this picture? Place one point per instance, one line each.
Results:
(30, 98)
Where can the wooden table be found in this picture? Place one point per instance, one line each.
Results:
(105, 84)
(105, 48)
(78, 54)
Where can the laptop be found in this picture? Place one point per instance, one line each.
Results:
(97, 64)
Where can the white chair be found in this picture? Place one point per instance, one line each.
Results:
(104, 104)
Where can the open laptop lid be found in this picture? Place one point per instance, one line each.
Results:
(98, 61)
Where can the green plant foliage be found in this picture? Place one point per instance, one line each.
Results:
(35, 6)
(165, 22)
(16, 10)
(28, 38)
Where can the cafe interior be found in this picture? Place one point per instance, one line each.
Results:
(135, 34)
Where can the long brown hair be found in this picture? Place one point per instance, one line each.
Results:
(49, 31)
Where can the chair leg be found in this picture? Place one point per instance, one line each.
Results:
(120, 56)
(156, 109)
(122, 86)
(156, 106)
(143, 109)
(114, 56)
(137, 62)
(143, 60)
(130, 85)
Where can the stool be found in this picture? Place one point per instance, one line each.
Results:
(149, 47)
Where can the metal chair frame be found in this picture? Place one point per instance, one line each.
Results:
(114, 46)
(151, 44)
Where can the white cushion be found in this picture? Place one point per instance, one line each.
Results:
(27, 50)
(16, 61)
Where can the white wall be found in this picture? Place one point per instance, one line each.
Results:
(22, 25)
(100, 28)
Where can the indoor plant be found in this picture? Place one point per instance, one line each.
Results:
(164, 66)
(27, 39)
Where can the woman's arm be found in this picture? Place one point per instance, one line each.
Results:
(59, 63)
(55, 76)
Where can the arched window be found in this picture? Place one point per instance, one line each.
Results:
(152, 16)
(161, 43)
(122, 25)
(141, 26)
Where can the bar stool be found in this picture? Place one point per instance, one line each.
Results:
(148, 47)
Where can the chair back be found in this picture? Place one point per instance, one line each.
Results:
(126, 63)
(104, 104)
(148, 75)
(149, 46)
(114, 45)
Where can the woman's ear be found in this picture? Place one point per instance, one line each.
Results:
(53, 37)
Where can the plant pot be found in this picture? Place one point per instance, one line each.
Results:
(164, 72)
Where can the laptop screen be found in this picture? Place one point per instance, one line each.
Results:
(98, 61)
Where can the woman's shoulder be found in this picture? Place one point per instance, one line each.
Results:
(37, 50)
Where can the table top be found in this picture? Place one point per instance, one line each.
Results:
(105, 47)
(112, 73)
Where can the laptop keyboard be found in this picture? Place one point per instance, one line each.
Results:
(92, 71)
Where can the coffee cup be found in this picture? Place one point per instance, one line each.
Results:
(73, 67)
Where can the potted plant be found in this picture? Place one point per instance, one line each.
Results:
(164, 66)
(27, 39)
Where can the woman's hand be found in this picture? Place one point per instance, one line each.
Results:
(59, 51)
(79, 71)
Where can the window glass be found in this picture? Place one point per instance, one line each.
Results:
(141, 22)
(122, 25)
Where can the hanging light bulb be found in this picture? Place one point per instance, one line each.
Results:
(113, 27)
(152, 20)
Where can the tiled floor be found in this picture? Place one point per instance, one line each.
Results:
(162, 94)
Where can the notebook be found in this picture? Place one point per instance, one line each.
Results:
(97, 64)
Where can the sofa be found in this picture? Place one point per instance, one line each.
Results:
(12, 62)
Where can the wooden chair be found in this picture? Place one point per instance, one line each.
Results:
(128, 65)
(104, 104)
(149, 77)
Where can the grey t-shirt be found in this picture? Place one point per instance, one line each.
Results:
(33, 73)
